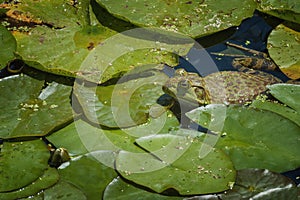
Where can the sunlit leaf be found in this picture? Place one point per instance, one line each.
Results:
(30, 111)
(176, 165)
(289, 95)
(122, 105)
(194, 18)
(288, 10)
(254, 138)
(284, 47)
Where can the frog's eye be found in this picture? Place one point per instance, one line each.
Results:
(180, 72)
(184, 84)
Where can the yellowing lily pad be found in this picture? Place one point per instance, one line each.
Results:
(284, 48)
(193, 18)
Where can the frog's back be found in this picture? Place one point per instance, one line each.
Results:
(234, 87)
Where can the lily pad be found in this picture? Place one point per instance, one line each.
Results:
(176, 165)
(193, 18)
(69, 139)
(122, 105)
(287, 10)
(87, 175)
(31, 110)
(16, 181)
(64, 191)
(283, 47)
(289, 95)
(254, 138)
(133, 48)
(261, 184)
(8, 46)
(59, 25)
(119, 189)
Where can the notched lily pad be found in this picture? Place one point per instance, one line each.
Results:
(176, 165)
(31, 111)
(284, 47)
(193, 18)
(254, 138)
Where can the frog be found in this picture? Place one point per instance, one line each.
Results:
(223, 87)
(58, 156)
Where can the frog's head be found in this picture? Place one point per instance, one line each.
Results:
(186, 87)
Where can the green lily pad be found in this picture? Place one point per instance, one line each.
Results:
(193, 18)
(176, 165)
(119, 189)
(8, 47)
(80, 138)
(64, 191)
(24, 169)
(31, 111)
(87, 175)
(46, 180)
(283, 47)
(288, 10)
(69, 139)
(122, 105)
(261, 184)
(289, 95)
(131, 49)
(254, 138)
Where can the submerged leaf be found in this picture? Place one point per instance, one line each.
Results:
(261, 184)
